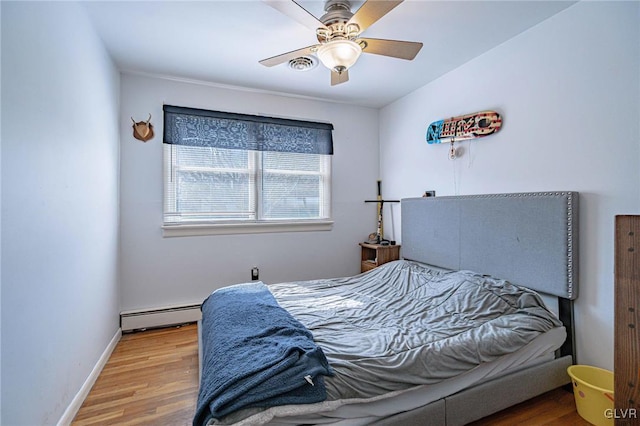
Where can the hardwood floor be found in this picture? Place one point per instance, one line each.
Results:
(152, 379)
(555, 408)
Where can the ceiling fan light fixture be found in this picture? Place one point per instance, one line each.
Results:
(339, 54)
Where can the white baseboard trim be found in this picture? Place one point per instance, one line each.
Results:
(73, 408)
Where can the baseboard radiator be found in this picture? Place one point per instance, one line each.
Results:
(161, 317)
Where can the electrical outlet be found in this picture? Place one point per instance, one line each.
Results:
(255, 273)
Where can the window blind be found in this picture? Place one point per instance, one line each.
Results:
(217, 129)
(228, 167)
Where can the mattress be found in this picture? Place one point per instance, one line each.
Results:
(406, 334)
(355, 412)
(407, 323)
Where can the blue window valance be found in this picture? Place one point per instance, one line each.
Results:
(199, 127)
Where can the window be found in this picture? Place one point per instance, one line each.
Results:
(244, 173)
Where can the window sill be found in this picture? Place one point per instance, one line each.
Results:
(192, 230)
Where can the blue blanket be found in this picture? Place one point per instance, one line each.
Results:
(255, 354)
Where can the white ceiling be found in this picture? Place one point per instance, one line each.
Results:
(222, 41)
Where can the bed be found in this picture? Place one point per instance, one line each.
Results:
(457, 330)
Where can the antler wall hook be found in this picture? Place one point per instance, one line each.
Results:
(143, 130)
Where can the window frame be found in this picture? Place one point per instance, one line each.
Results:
(246, 226)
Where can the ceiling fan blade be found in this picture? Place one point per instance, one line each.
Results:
(339, 77)
(296, 12)
(371, 11)
(286, 57)
(394, 48)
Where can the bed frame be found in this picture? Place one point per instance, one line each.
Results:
(529, 239)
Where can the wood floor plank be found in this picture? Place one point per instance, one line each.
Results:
(554, 408)
(151, 378)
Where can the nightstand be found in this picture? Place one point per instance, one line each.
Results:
(374, 255)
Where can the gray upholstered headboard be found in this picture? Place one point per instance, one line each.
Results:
(529, 239)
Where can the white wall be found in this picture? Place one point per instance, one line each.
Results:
(159, 271)
(569, 92)
(59, 207)
(0, 225)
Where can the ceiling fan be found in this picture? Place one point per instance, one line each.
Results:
(338, 32)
